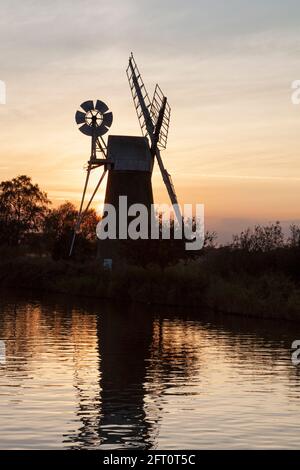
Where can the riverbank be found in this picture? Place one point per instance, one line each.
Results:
(265, 294)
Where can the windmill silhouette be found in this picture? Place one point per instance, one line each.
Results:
(128, 160)
(94, 121)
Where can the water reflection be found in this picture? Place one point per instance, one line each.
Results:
(89, 374)
(124, 345)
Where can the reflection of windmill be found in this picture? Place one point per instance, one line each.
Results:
(128, 159)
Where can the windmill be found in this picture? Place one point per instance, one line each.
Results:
(94, 120)
(128, 160)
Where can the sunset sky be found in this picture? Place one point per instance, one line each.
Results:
(225, 65)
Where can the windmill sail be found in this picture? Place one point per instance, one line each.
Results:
(161, 120)
(154, 119)
(140, 97)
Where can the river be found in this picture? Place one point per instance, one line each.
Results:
(85, 373)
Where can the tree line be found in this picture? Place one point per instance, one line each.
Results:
(27, 219)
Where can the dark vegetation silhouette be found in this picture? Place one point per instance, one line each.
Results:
(58, 231)
(161, 251)
(28, 223)
(23, 208)
(257, 274)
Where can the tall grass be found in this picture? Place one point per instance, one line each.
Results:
(261, 281)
